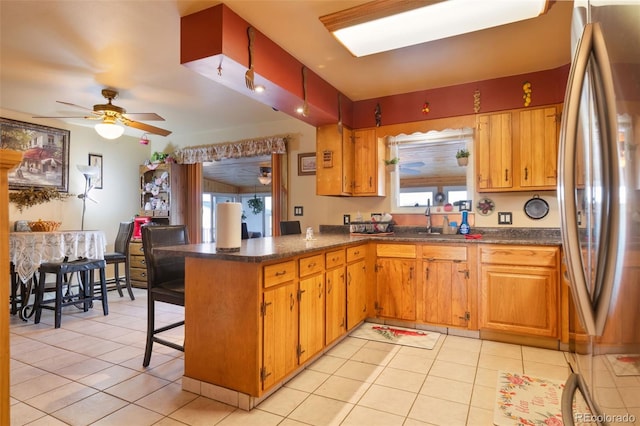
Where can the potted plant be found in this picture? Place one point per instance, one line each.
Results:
(256, 204)
(392, 164)
(463, 157)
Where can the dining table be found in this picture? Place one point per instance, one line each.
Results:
(27, 250)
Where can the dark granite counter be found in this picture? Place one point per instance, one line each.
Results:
(271, 248)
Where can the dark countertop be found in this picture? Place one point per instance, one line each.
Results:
(256, 250)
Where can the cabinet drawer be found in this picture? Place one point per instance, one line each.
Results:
(135, 248)
(311, 265)
(520, 255)
(334, 258)
(356, 253)
(444, 252)
(137, 262)
(138, 274)
(396, 250)
(279, 273)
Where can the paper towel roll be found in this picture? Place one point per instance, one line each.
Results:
(228, 226)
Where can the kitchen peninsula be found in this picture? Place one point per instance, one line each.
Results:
(255, 317)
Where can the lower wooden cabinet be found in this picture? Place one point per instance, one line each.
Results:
(356, 285)
(280, 333)
(519, 287)
(396, 278)
(445, 285)
(336, 296)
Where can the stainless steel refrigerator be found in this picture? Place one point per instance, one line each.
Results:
(599, 202)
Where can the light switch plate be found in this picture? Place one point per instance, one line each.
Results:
(297, 211)
(505, 218)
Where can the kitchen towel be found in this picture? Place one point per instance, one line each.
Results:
(228, 227)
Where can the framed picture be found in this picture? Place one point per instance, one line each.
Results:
(45, 161)
(96, 160)
(307, 164)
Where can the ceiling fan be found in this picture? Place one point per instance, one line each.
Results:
(110, 114)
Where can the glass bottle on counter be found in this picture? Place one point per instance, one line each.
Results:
(464, 226)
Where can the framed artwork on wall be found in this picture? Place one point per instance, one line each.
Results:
(96, 160)
(307, 164)
(45, 161)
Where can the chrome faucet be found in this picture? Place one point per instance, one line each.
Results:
(427, 214)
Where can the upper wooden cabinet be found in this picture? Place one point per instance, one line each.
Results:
(518, 150)
(349, 163)
(494, 162)
(538, 146)
(369, 166)
(334, 160)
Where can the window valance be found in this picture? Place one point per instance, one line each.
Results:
(245, 148)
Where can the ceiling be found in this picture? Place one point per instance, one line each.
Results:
(70, 50)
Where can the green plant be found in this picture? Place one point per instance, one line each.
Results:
(256, 204)
(394, 160)
(462, 153)
(159, 156)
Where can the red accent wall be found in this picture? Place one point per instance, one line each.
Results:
(498, 94)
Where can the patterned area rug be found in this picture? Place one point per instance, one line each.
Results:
(625, 364)
(527, 400)
(398, 335)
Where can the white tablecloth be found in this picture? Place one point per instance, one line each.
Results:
(27, 250)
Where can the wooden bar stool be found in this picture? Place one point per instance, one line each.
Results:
(84, 268)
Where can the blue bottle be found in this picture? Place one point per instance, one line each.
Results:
(464, 226)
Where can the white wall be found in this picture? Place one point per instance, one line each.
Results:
(119, 198)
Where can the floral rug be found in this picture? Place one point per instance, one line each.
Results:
(527, 400)
(625, 364)
(398, 335)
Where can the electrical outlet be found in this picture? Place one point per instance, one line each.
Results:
(505, 218)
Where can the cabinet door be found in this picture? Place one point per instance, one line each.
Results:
(445, 292)
(356, 293)
(538, 148)
(396, 288)
(494, 162)
(311, 325)
(280, 333)
(334, 159)
(519, 299)
(368, 169)
(336, 304)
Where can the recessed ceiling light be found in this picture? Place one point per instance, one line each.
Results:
(384, 25)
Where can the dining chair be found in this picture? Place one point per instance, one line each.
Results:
(165, 280)
(290, 227)
(120, 256)
(64, 272)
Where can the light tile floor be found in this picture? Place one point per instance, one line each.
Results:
(90, 372)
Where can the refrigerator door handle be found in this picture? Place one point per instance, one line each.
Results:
(567, 181)
(593, 313)
(575, 383)
(609, 259)
(566, 404)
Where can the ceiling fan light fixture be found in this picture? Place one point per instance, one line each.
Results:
(109, 130)
(265, 175)
(384, 25)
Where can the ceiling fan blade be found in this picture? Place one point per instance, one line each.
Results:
(77, 106)
(143, 116)
(69, 116)
(144, 127)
